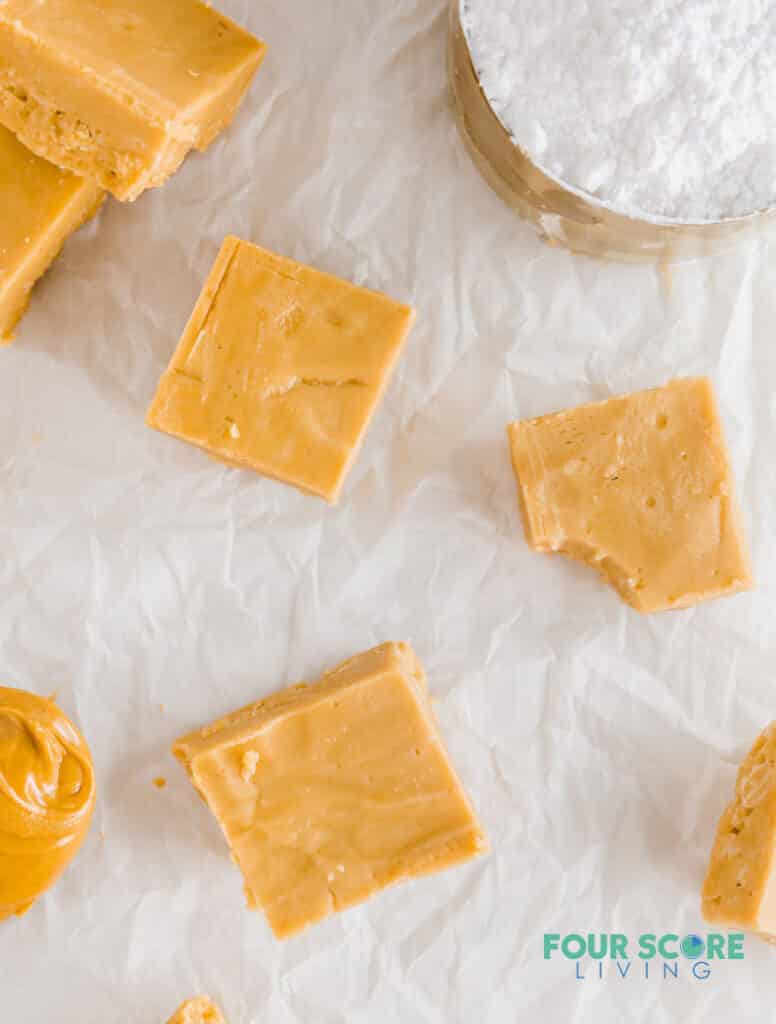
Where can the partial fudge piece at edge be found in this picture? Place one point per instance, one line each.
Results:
(281, 368)
(41, 206)
(119, 91)
(197, 1011)
(740, 886)
(640, 488)
(329, 792)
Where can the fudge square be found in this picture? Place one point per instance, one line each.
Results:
(41, 205)
(640, 488)
(281, 368)
(329, 792)
(740, 887)
(197, 1011)
(119, 91)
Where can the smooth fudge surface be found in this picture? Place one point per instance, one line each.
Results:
(740, 887)
(281, 368)
(329, 792)
(119, 91)
(41, 205)
(197, 1011)
(640, 488)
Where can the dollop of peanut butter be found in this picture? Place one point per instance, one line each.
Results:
(47, 796)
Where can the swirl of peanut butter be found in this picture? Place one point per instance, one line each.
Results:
(47, 797)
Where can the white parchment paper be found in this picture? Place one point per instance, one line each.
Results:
(153, 589)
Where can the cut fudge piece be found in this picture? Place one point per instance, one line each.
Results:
(329, 792)
(119, 91)
(640, 488)
(281, 368)
(41, 205)
(197, 1011)
(740, 887)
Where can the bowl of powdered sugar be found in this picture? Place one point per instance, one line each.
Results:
(630, 129)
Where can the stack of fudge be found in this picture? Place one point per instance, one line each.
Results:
(97, 97)
(281, 367)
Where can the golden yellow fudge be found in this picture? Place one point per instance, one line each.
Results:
(46, 797)
(40, 206)
(740, 887)
(329, 792)
(197, 1011)
(640, 488)
(280, 368)
(119, 91)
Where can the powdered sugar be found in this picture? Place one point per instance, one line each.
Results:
(662, 107)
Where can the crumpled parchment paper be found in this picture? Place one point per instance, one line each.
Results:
(153, 589)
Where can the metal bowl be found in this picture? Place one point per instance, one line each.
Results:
(562, 214)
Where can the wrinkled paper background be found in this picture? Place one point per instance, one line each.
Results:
(153, 589)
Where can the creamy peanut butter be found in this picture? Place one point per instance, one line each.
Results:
(47, 797)
(640, 488)
(281, 368)
(197, 1011)
(119, 91)
(740, 887)
(329, 792)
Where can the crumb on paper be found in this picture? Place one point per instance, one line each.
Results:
(160, 782)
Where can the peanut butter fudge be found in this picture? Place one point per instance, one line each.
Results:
(740, 887)
(41, 205)
(119, 91)
(640, 488)
(329, 792)
(197, 1011)
(281, 368)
